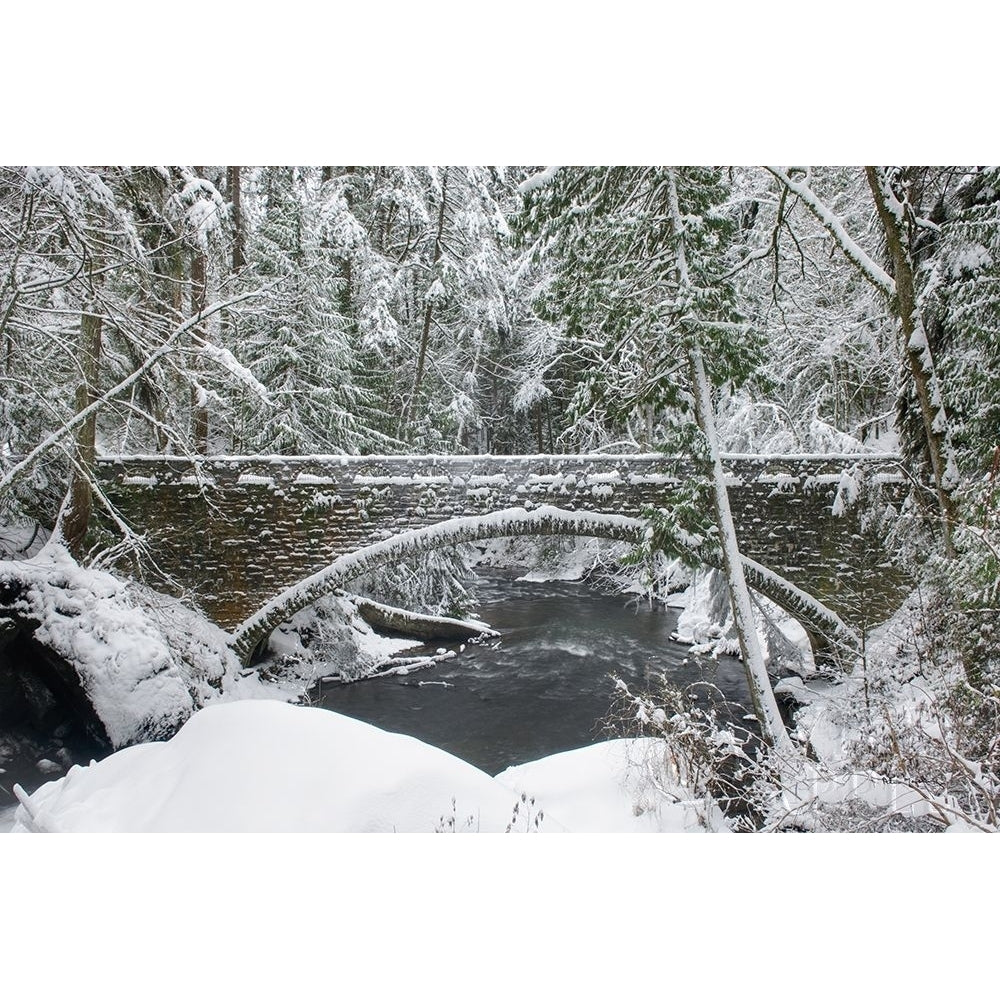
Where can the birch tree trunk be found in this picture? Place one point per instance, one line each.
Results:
(765, 706)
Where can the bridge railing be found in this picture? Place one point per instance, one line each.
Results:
(476, 471)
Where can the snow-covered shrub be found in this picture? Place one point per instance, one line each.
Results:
(936, 732)
(437, 583)
(698, 754)
(904, 743)
(327, 639)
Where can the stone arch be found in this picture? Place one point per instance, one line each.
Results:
(515, 521)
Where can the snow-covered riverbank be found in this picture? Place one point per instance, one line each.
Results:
(882, 743)
(265, 766)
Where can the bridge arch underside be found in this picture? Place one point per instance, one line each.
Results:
(825, 628)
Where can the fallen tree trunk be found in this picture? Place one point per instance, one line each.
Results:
(418, 626)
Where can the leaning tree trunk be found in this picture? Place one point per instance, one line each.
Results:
(765, 706)
(74, 518)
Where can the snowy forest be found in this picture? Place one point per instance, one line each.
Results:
(200, 313)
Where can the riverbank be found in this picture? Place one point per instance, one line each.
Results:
(267, 766)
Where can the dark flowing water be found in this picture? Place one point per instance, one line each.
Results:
(544, 686)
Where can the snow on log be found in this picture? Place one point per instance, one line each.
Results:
(410, 623)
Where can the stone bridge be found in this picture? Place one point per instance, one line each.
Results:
(236, 532)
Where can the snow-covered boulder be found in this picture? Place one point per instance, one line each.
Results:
(272, 767)
(139, 684)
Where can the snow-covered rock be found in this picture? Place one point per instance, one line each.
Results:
(135, 681)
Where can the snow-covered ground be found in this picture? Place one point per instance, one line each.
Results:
(613, 787)
(267, 766)
(7, 819)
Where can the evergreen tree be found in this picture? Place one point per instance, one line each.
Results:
(298, 344)
(638, 257)
(961, 286)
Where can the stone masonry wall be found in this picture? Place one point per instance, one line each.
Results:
(233, 532)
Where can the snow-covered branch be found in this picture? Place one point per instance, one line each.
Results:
(869, 268)
(539, 180)
(168, 346)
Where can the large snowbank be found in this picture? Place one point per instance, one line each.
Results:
(272, 767)
(269, 766)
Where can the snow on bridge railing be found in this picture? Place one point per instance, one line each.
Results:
(481, 470)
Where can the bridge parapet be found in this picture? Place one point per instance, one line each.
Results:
(237, 530)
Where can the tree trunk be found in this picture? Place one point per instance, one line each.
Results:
(764, 704)
(425, 331)
(235, 197)
(199, 404)
(347, 273)
(74, 518)
(918, 353)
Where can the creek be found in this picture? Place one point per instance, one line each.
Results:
(545, 685)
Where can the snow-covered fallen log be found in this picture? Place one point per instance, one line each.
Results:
(419, 626)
